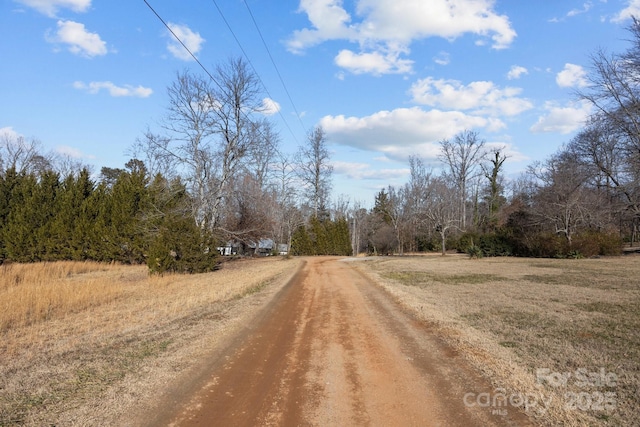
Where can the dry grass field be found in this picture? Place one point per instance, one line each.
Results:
(82, 343)
(562, 336)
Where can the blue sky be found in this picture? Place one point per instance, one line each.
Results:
(385, 78)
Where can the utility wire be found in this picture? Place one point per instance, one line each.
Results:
(254, 68)
(183, 45)
(264, 43)
(205, 68)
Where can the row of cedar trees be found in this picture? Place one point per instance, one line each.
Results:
(322, 238)
(131, 219)
(212, 177)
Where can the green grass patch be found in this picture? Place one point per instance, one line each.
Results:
(545, 279)
(601, 307)
(423, 279)
(252, 290)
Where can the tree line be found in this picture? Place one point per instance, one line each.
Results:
(212, 176)
(583, 200)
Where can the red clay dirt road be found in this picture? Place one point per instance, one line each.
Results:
(332, 349)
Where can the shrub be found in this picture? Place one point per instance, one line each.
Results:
(181, 247)
(592, 243)
(494, 244)
(464, 242)
(475, 252)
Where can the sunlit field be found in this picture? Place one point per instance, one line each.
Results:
(567, 331)
(72, 331)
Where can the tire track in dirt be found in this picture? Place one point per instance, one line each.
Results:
(333, 349)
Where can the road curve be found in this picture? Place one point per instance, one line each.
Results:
(334, 350)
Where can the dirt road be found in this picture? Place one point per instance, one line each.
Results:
(333, 350)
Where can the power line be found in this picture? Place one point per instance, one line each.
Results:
(264, 43)
(205, 68)
(254, 68)
(183, 45)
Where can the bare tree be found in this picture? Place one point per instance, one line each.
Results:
(463, 155)
(288, 216)
(247, 211)
(262, 152)
(494, 190)
(562, 199)
(415, 198)
(25, 156)
(315, 170)
(441, 208)
(611, 141)
(396, 213)
(358, 224)
(210, 127)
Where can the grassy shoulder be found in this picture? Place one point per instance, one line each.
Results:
(81, 343)
(562, 334)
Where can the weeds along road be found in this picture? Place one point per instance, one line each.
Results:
(332, 349)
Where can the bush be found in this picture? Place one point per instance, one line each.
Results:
(322, 238)
(545, 245)
(464, 242)
(494, 244)
(592, 243)
(475, 252)
(181, 247)
(428, 244)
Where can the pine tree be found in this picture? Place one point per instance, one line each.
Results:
(8, 182)
(66, 241)
(18, 233)
(176, 243)
(129, 199)
(301, 242)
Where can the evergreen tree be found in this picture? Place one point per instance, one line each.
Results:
(19, 233)
(8, 182)
(301, 243)
(129, 199)
(181, 247)
(341, 237)
(177, 244)
(67, 240)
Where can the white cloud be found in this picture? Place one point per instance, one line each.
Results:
(115, 91)
(443, 58)
(79, 40)
(403, 131)
(562, 120)
(388, 27)
(270, 107)
(375, 63)
(507, 149)
(572, 76)
(481, 97)
(516, 72)
(72, 153)
(361, 171)
(51, 7)
(632, 9)
(585, 8)
(193, 41)
(8, 134)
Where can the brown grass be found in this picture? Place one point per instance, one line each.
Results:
(33, 293)
(512, 317)
(73, 335)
